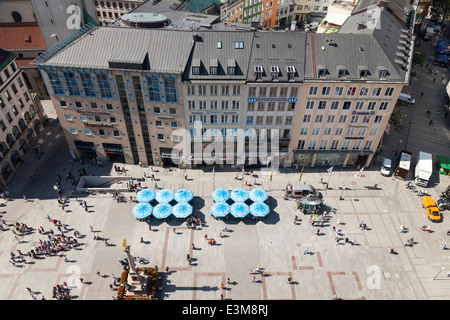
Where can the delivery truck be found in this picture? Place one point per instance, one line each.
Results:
(403, 165)
(424, 169)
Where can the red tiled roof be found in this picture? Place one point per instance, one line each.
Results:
(24, 63)
(16, 36)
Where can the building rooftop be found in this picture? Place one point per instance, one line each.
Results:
(207, 52)
(21, 36)
(167, 50)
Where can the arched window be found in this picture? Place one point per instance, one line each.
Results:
(6, 170)
(15, 158)
(16, 16)
(37, 125)
(22, 124)
(3, 148)
(9, 139)
(27, 117)
(16, 132)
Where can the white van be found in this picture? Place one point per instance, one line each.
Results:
(406, 98)
(386, 167)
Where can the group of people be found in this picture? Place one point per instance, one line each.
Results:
(133, 186)
(193, 222)
(61, 292)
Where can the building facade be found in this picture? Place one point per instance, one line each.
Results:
(120, 106)
(21, 117)
(309, 98)
(110, 11)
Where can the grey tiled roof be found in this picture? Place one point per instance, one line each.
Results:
(278, 49)
(205, 49)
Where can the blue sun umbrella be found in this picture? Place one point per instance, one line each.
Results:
(259, 210)
(145, 195)
(184, 195)
(164, 196)
(239, 210)
(142, 210)
(220, 195)
(258, 195)
(220, 209)
(182, 210)
(162, 211)
(239, 195)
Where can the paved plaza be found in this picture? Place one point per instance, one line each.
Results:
(365, 270)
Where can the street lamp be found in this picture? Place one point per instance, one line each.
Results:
(443, 267)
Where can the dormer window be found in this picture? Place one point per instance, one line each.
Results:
(196, 66)
(290, 72)
(274, 72)
(258, 72)
(213, 64)
(322, 72)
(231, 66)
(239, 44)
(382, 73)
(363, 73)
(342, 73)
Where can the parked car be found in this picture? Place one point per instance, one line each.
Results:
(386, 167)
(443, 204)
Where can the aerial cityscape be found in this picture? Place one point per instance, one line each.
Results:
(206, 150)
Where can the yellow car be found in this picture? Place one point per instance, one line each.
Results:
(431, 208)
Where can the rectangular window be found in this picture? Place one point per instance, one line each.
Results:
(330, 118)
(213, 90)
(304, 131)
(309, 105)
(191, 105)
(342, 119)
(97, 119)
(389, 92)
(315, 131)
(306, 118)
(361, 132)
(192, 119)
(383, 105)
(234, 118)
(225, 90)
(55, 82)
(116, 133)
(202, 90)
(101, 132)
(87, 131)
(109, 107)
(82, 118)
(373, 132)
(345, 144)
(158, 123)
(366, 119)
(170, 88)
(371, 105)
(281, 106)
(236, 90)
(173, 124)
(154, 92)
(78, 104)
(313, 91)
(68, 117)
(301, 144)
(368, 145)
(319, 118)
(326, 91)
(338, 91)
(376, 92)
(160, 136)
(112, 120)
(364, 92)
(104, 86)
(357, 145)
(351, 91)
(235, 105)
(71, 83)
(350, 132)
(359, 105)
(251, 106)
(354, 119)
(190, 90)
(347, 105)
(288, 120)
(378, 119)
(72, 130)
(269, 120)
(334, 144)
(322, 105)
(312, 144)
(202, 105)
(249, 120)
(323, 144)
(334, 105)
(224, 105)
(252, 92)
(338, 131)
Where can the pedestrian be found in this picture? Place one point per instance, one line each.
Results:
(206, 236)
(149, 227)
(65, 258)
(392, 251)
(306, 251)
(295, 219)
(142, 240)
(222, 286)
(225, 228)
(174, 230)
(25, 198)
(318, 232)
(253, 279)
(434, 79)
(228, 280)
(421, 94)
(193, 247)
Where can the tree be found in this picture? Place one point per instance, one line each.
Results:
(441, 8)
(419, 58)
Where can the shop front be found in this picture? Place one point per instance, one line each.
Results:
(114, 152)
(330, 159)
(85, 149)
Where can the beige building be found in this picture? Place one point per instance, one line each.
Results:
(350, 91)
(110, 11)
(21, 117)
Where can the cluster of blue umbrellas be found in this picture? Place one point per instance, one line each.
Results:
(239, 209)
(163, 209)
